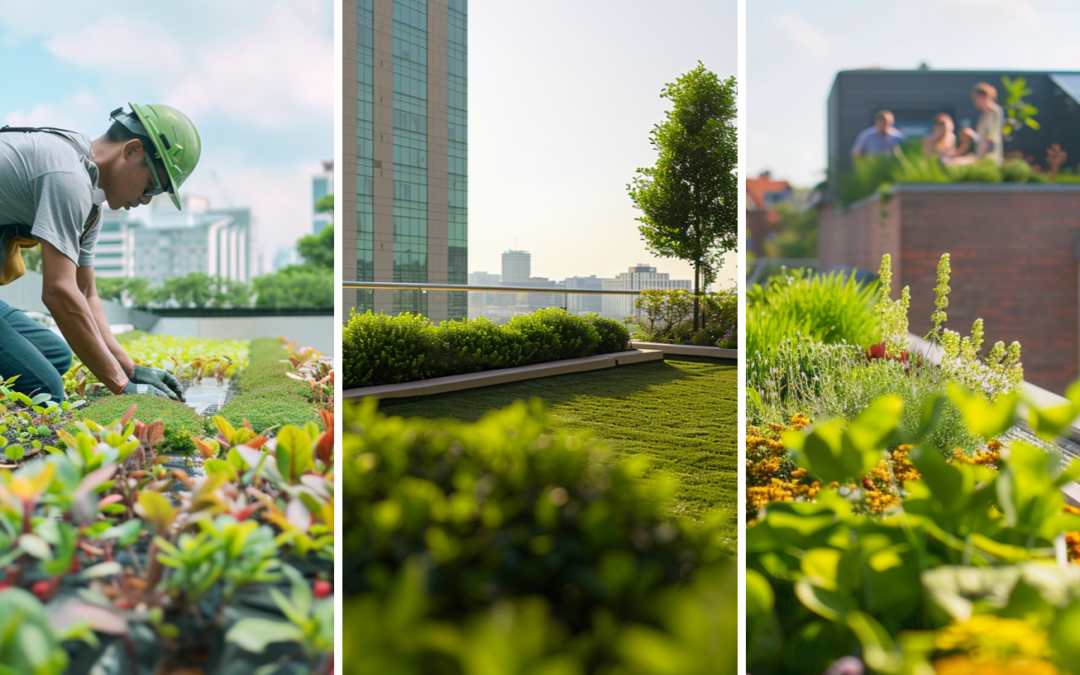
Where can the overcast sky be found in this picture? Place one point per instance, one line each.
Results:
(562, 97)
(794, 50)
(256, 77)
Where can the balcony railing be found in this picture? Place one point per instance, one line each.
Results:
(559, 297)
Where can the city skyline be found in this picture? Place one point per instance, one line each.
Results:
(557, 134)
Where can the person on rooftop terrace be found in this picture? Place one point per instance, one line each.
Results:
(52, 186)
(941, 142)
(987, 135)
(881, 139)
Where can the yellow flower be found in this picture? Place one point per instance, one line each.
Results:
(986, 638)
(962, 665)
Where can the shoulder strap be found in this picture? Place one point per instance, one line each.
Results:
(27, 130)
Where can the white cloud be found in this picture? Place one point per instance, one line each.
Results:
(806, 35)
(276, 75)
(271, 66)
(71, 113)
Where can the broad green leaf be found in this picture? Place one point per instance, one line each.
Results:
(255, 635)
(831, 605)
(982, 417)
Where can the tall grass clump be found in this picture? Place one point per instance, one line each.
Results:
(831, 308)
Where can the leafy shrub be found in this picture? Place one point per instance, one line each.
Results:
(183, 569)
(181, 422)
(967, 546)
(266, 397)
(668, 317)
(502, 510)
(470, 346)
(554, 335)
(382, 349)
(829, 308)
(614, 336)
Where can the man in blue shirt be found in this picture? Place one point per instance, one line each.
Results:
(881, 139)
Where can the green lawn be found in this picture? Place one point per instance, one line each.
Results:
(681, 412)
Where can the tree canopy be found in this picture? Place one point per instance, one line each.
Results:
(689, 199)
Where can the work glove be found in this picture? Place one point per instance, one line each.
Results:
(157, 378)
(145, 389)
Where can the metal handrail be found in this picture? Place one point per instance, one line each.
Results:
(548, 290)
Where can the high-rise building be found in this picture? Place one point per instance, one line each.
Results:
(637, 278)
(406, 114)
(585, 304)
(161, 243)
(516, 266)
(322, 184)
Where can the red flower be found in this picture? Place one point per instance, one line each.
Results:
(42, 589)
(322, 588)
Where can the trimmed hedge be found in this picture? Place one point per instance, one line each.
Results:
(265, 396)
(505, 510)
(381, 349)
(181, 422)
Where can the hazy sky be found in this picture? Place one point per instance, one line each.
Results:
(256, 77)
(562, 97)
(795, 48)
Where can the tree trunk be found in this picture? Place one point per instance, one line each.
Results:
(697, 294)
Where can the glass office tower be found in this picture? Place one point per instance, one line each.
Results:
(405, 94)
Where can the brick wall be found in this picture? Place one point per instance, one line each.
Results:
(1013, 251)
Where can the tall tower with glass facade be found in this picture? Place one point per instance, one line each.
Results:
(405, 121)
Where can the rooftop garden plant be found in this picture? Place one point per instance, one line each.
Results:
(876, 174)
(381, 349)
(905, 560)
(189, 359)
(900, 519)
(107, 555)
(266, 397)
(505, 546)
(667, 317)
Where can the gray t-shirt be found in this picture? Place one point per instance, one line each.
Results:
(49, 185)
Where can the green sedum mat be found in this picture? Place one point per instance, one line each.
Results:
(681, 413)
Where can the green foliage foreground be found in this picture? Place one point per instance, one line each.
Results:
(381, 349)
(503, 547)
(960, 577)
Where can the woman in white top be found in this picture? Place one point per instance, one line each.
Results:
(987, 135)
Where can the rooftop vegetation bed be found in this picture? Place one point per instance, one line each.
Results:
(180, 422)
(680, 413)
(875, 174)
(381, 349)
(507, 545)
(668, 317)
(266, 396)
(189, 359)
(899, 514)
(111, 563)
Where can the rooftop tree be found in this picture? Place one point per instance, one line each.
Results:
(689, 200)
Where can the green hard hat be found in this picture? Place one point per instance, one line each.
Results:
(176, 142)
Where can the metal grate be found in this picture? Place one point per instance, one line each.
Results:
(211, 410)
